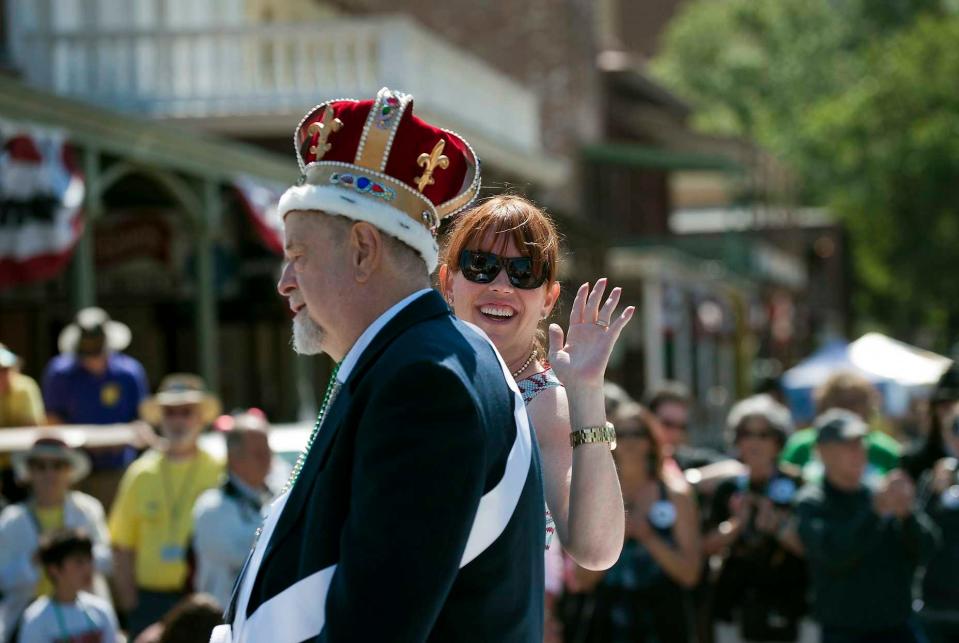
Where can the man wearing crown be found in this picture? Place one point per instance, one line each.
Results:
(415, 511)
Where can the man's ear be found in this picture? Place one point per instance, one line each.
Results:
(366, 250)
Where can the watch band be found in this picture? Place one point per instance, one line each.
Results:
(592, 434)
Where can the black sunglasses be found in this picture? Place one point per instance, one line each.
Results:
(743, 434)
(47, 465)
(482, 268)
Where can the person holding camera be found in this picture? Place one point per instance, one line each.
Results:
(863, 545)
(760, 593)
(644, 596)
(939, 497)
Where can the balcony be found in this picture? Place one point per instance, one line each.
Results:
(257, 80)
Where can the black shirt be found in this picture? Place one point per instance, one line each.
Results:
(861, 564)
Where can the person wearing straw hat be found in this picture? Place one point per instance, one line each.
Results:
(418, 500)
(92, 381)
(50, 468)
(151, 520)
(20, 400)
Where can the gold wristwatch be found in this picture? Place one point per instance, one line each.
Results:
(591, 434)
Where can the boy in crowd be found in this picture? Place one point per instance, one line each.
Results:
(862, 545)
(69, 613)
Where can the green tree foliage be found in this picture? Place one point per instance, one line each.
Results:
(862, 98)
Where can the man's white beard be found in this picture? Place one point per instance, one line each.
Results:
(307, 335)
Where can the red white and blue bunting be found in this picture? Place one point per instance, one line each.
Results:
(41, 195)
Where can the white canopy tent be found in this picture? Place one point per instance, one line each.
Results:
(898, 370)
(891, 359)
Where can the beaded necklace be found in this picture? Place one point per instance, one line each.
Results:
(526, 364)
(331, 389)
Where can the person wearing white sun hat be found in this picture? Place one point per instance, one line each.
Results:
(92, 381)
(50, 467)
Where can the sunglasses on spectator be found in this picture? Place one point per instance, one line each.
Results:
(178, 411)
(672, 424)
(483, 267)
(759, 435)
(47, 465)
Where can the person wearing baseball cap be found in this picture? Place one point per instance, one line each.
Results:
(863, 545)
(420, 491)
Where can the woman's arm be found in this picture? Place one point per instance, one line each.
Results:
(582, 486)
(682, 561)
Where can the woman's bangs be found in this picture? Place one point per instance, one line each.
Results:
(502, 220)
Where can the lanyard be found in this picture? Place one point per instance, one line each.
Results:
(65, 634)
(174, 502)
(248, 505)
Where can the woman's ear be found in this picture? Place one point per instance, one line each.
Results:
(445, 287)
(552, 296)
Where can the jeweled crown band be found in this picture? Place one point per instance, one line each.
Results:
(374, 185)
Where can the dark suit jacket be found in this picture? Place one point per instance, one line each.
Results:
(419, 513)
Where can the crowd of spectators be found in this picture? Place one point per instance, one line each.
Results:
(830, 533)
(160, 565)
(833, 532)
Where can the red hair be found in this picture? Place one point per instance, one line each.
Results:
(505, 217)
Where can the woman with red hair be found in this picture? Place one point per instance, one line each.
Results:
(498, 270)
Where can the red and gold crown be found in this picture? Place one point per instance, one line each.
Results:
(374, 161)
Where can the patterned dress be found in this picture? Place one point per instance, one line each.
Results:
(530, 387)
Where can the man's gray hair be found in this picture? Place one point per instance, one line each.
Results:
(244, 423)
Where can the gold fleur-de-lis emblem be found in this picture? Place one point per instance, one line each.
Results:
(322, 130)
(430, 162)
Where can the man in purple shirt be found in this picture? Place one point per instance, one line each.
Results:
(91, 381)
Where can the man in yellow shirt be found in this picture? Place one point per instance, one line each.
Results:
(151, 521)
(20, 401)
